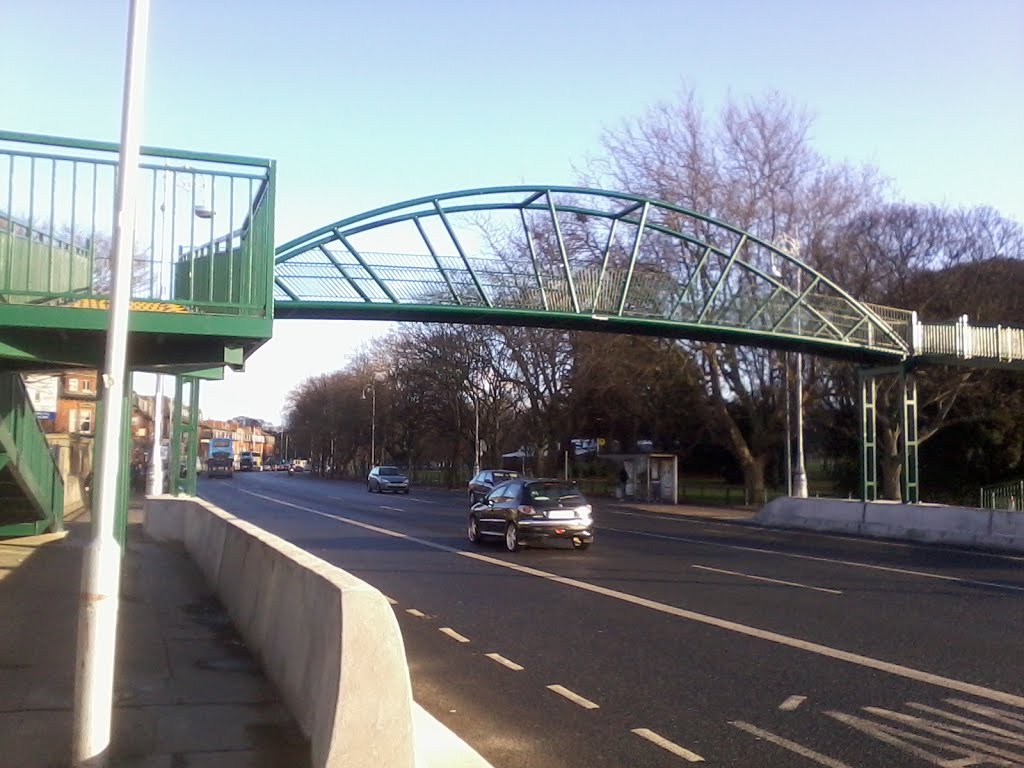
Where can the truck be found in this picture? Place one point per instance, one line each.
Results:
(220, 461)
(249, 462)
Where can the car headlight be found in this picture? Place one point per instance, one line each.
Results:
(584, 511)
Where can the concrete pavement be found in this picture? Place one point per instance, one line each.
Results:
(188, 694)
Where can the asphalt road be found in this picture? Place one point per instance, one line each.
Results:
(676, 640)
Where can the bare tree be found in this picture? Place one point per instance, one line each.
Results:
(753, 167)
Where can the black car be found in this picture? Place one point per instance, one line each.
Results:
(485, 481)
(523, 511)
(383, 479)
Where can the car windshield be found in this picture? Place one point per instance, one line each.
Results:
(554, 493)
(389, 471)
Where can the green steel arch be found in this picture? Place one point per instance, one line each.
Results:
(569, 257)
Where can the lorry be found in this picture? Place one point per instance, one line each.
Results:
(220, 461)
(249, 462)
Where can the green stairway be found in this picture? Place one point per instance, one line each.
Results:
(31, 488)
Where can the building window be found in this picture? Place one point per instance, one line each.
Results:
(86, 385)
(72, 385)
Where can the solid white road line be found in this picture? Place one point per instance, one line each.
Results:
(575, 698)
(416, 613)
(792, 746)
(773, 637)
(767, 533)
(792, 703)
(765, 578)
(454, 635)
(851, 563)
(672, 747)
(504, 662)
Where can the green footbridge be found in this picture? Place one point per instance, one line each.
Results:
(207, 284)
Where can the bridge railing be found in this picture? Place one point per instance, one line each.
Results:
(1003, 496)
(203, 226)
(964, 341)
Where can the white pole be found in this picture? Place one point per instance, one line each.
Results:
(476, 438)
(156, 460)
(101, 567)
(373, 422)
(799, 471)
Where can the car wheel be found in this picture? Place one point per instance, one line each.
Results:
(511, 540)
(580, 544)
(472, 530)
(368, 488)
(406, 491)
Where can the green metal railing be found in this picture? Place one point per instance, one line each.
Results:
(1003, 496)
(204, 226)
(28, 458)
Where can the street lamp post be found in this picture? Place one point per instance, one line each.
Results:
(377, 376)
(796, 479)
(476, 435)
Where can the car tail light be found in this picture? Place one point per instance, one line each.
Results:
(527, 511)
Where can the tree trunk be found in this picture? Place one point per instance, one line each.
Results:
(753, 479)
(890, 463)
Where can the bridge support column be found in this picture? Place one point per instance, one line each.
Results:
(907, 387)
(908, 438)
(868, 441)
(184, 433)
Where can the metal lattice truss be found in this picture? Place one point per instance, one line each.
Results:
(580, 258)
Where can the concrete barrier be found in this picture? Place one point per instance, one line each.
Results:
(329, 641)
(893, 520)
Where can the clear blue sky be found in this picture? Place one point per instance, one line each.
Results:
(363, 104)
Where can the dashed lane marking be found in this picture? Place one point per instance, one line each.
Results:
(661, 741)
(838, 654)
(792, 746)
(575, 698)
(765, 578)
(454, 635)
(504, 662)
(393, 509)
(792, 703)
(391, 600)
(416, 613)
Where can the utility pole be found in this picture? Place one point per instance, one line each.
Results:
(101, 566)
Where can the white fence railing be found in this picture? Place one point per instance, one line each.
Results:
(966, 341)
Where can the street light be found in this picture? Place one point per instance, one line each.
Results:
(798, 479)
(372, 386)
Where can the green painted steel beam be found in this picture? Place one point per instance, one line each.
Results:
(622, 207)
(188, 324)
(553, 211)
(644, 326)
(104, 146)
(442, 214)
(632, 258)
(33, 528)
(437, 261)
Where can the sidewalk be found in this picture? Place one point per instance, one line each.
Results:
(187, 693)
(729, 514)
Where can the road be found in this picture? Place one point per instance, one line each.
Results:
(677, 640)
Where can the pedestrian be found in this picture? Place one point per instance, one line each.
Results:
(623, 481)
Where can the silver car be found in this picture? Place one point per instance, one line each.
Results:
(390, 479)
